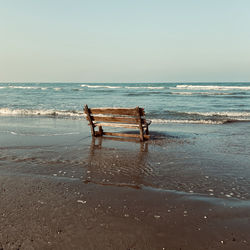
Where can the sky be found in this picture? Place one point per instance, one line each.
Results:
(124, 40)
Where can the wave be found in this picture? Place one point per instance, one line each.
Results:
(120, 87)
(22, 87)
(212, 122)
(144, 87)
(100, 86)
(38, 112)
(161, 118)
(201, 117)
(221, 114)
(141, 93)
(41, 135)
(214, 87)
(183, 114)
(28, 87)
(234, 94)
(163, 121)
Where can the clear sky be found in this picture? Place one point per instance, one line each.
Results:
(124, 40)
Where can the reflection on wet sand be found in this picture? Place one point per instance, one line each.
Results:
(113, 166)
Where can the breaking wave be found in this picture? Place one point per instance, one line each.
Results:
(222, 114)
(201, 117)
(163, 121)
(210, 87)
(144, 87)
(37, 112)
(22, 87)
(29, 88)
(159, 118)
(100, 86)
(234, 94)
(40, 135)
(121, 87)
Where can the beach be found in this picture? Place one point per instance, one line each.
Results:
(124, 125)
(185, 188)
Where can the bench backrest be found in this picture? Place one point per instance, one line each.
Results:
(118, 115)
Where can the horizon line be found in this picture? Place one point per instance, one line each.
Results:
(115, 82)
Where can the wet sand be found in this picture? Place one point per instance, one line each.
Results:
(181, 190)
(40, 213)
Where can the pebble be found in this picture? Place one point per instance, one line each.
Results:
(81, 201)
(157, 216)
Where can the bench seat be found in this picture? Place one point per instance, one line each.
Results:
(120, 125)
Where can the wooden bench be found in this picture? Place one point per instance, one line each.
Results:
(132, 118)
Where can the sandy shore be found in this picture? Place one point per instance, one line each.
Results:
(181, 190)
(41, 213)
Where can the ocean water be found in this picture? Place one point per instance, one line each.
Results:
(203, 103)
(205, 129)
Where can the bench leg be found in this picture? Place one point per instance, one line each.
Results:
(92, 126)
(100, 131)
(141, 134)
(146, 131)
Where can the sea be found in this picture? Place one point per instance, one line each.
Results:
(203, 103)
(205, 127)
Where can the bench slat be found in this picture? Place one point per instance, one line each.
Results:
(117, 119)
(117, 111)
(121, 134)
(117, 125)
(125, 135)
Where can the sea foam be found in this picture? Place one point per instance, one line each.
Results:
(211, 87)
(100, 86)
(36, 112)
